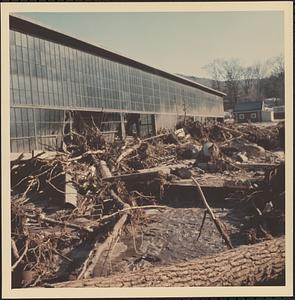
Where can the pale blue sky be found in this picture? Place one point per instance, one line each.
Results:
(178, 42)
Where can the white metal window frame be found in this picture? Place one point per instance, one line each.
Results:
(241, 117)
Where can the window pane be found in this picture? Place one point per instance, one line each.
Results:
(17, 38)
(13, 66)
(12, 37)
(13, 51)
(24, 40)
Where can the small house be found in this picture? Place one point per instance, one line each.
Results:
(249, 111)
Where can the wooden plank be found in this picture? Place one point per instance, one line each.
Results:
(256, 166)
(133, 176)
(210, 183)
(164, 169)
(146, 173)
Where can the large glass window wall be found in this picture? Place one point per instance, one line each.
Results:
(35, 129)
(48, 74)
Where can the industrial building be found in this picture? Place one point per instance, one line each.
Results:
(56, 77)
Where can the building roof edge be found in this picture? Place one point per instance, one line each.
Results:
(24, 25)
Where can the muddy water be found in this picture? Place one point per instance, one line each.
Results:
(166, 237)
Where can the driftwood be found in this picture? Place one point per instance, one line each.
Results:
(202, 225)
(246, 265)
(211, 183)
(14, 249)
(128, 152)
(104, 170)
(98, 250)
(133, 176)
(231, 130)
(230, 140)
(137, 146)
(128, 209)
(213, 217)
(119, 200)
(155, 137)
(164, 169)
(85, 154)
(43, 218)
(256, 166)
(22, 256)
(104, 246)
(52, 192)
(95, 254)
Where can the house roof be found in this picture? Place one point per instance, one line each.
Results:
(248, 106)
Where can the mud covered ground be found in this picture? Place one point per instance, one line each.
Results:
(166, 237)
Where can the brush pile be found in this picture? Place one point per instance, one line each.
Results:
(69, 208)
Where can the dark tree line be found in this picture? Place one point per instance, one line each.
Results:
(250, 83)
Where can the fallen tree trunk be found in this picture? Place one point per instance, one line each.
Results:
(98, 251)
(246, 265)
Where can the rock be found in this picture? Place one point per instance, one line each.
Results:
(189, 151)
(210, 151)
(207, 149)
(183, 173)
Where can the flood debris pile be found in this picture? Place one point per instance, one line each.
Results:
(72, 210)
(265, 208)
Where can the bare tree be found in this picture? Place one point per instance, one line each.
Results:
(278, 67)
(232, 72)
(256, 81)
(259, 72)
(248, 80)
(278, 76)
(229, 72)
(214, 69)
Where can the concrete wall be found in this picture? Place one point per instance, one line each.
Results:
(165, 121)
(170, 121)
